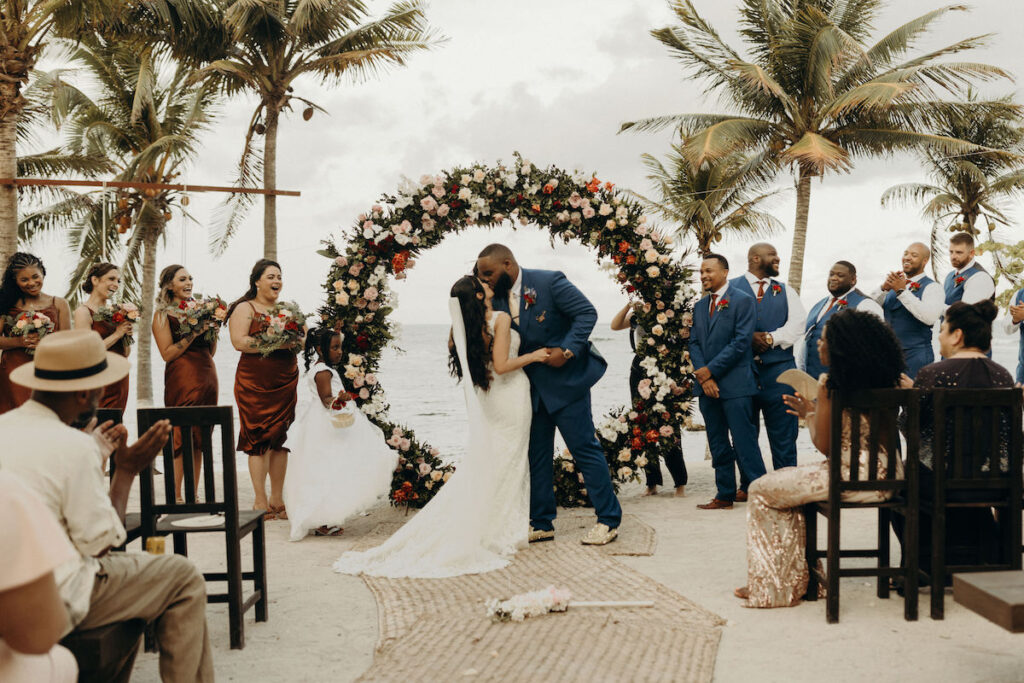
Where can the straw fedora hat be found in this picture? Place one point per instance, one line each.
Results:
(72, 360)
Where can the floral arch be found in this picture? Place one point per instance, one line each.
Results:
(385, 240)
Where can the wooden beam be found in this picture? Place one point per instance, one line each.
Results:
(118, 184)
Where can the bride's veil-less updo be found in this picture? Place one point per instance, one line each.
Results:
(470, 293)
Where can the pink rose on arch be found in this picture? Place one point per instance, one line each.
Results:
(371, 378)
(633, 415)
(405, 227)
(373, 306)
(364, 393)
(361, 303)
(434, 452)
(404, 444)
(443, 210)
(427, 223)
(371, 293)
(341, 261)
(358, 382)
(588, 212)
(575, 200)
(355, 269)
(377, 207)
(426, 180)
(644, 388)
(622, 419)
(646, 244)
(665, 431)
(424, 469)
(437, 191)
(428, 203)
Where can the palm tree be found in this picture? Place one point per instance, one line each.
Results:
(721, 196)
(969, 187)
(145, 121)
(25, 27)
(273, 43)
(812, 92)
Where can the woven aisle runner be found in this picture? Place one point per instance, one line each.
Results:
(437, 629)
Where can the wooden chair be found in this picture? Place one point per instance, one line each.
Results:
(132, 520)
(171, 517)
(968, 435)
(881, 408)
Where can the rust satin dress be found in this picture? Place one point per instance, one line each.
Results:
(115, 396)
(13, 395)
(265, 392)
(190, 379)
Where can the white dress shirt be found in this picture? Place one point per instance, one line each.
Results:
(1009, 326)
(928, 309)
(786, 336)
(61, 465)
(978, 287)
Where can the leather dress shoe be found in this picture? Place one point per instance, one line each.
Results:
(717, 504)
(741, 497)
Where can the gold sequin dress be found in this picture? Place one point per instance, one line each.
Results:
(777, 571)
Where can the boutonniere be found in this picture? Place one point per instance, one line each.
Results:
(776, 288)
(722, 305)
(530, 296)
(913, 286)
(842, 303)
(960, 280)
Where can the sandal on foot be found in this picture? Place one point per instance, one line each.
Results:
(743, 593)
(268, 515)
(279, 511)
(328, 530)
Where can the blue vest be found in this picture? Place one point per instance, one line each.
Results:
(1018, 299)
(912, 333)
(954, 290)
(814, 328)
(772, 313)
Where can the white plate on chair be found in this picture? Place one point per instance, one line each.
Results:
(199, 521)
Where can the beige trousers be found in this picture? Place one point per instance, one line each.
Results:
(167, 589)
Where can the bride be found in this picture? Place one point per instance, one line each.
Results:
(481, 516)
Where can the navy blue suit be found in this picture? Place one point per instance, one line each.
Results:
(554, 314)
(721, 343)
(815, 328)
(772, 313)
(914, 336)
(1018, 299)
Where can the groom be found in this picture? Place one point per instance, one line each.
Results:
(549, 312)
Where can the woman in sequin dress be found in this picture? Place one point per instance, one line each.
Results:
(190, 377)
(101, 282)
(21, 291)
(861, 353)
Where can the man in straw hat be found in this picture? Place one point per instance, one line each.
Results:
(62, 465)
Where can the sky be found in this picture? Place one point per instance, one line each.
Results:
(553, 81)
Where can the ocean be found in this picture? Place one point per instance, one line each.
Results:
(425, 398)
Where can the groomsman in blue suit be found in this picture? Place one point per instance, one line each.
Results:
(913, 303)
(843, 293)
(1013, 325)
(779, 324)
(968, 282)
(720, 350)
(549, 312)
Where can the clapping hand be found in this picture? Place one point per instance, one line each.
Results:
(109, 437)
(137, 457)
(898, 281)
(1017, 313)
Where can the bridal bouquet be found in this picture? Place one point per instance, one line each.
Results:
(283, 328)
(198, 311)
(30, 322)
(534, 604)
(115, 314)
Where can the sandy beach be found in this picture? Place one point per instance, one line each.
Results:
(323, 626)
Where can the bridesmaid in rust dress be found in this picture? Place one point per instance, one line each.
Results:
(102, 281)
(190, 377)
(20, 291)
(265, 389)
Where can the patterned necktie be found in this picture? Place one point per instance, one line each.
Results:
(711, 311)
(760, 290)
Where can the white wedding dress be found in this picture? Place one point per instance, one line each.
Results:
(333, 472)
(480, 517)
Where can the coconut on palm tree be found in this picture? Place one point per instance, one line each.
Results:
(969, 192)
(813, 92)
(718, 198)
(272, 44)
(145, 119)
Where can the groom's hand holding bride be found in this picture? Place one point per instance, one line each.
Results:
(557, 357)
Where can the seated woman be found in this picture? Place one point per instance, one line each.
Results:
(972, 535)
(861, 353)
(32, 614)
(341, 464)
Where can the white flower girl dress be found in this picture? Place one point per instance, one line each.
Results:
(334, 471)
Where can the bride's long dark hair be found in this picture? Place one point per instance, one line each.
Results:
(470, 294)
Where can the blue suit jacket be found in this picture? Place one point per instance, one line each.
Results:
(722, 343)
(559, 317)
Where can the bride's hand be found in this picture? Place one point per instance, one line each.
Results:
(540, 355)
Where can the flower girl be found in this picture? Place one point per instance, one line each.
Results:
(340, 464)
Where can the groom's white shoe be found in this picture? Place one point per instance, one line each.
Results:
(539, 535)
(600, 534)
